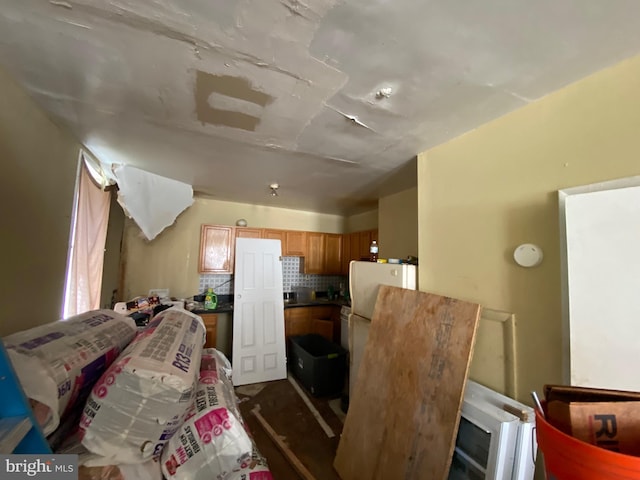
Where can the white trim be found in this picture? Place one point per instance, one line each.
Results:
(510, 363)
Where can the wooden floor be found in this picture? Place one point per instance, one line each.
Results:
(284, 409)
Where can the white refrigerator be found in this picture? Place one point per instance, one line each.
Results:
(365, 279)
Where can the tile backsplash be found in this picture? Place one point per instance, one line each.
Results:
(291, 277)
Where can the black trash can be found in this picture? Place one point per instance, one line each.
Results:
(319, 364)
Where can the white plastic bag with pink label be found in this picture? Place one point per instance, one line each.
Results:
(254, 469)
(57, 363)
(213, 443)
(142, 399)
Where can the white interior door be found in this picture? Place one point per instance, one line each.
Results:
(258, 313)
(601, 272)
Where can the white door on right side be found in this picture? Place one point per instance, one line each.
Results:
(602, 285)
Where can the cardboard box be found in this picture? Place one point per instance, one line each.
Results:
(607, 418)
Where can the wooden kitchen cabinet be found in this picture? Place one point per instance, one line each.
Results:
(321, 312)
(365, 238)
(324, 253)
(323, 328)
(296, 322)
(296, 243)
(300, 320)
(329, 313)
(211, 327)
(246, 232)
(357, 244)
(314, 259)
(354, 240)
(332, 254)
(217, 246)
(281, 235)
(346, 255)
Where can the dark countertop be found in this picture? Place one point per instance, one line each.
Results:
(317, 302)
(218, 309)
(227, 307)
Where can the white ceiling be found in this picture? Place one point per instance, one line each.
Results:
(230, 96)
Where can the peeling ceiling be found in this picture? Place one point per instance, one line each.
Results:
(330, 99)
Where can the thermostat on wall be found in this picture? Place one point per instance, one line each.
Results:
(528, 255)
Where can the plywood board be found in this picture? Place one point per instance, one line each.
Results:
(404, 414)
(358, 336)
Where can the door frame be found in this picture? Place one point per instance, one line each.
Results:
(563, 194)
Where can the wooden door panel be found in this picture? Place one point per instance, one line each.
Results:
(244, 232)
(296, 243)
(314, 259)
(332, 254)
(216, 249)
(354, 241)
(211, 326)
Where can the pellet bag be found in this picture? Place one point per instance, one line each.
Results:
(141, 400)
(59, 362)
(212, 443)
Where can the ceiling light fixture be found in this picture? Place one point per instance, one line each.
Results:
(274, 189)
(384, 92)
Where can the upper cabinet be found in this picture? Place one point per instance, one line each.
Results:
(296, 243)
(364, 241)
(333, 254)
(356, 247)
(346, 255)
(324, 253)
(217, 245)
(273, 234)
(314, 259)
(246, 232)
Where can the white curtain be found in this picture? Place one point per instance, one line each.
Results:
(84, 277)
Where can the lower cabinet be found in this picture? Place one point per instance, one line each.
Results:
(211, 327)
(296, 322)
(321, 319)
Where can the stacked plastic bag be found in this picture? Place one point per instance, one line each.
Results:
(158, 403)
(59, 362)
(141, 400)
(213, 443)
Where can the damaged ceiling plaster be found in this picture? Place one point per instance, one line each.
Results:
(331, 100)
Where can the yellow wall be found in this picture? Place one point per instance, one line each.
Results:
(39, 162)
(361, 221)
(398, 224)
(494, 188)
(171, 259)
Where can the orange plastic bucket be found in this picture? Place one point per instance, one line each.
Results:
(566, 458)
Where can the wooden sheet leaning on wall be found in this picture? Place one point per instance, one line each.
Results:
(404, 414)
